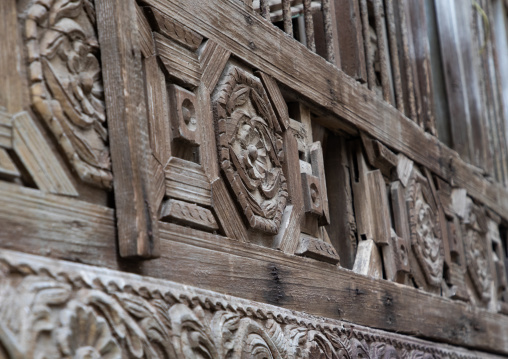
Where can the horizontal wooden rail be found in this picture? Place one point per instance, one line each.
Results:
(250, 37)
(78, 231)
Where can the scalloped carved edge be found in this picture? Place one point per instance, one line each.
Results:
(146, 317)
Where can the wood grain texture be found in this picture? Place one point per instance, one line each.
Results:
(421, 61)
(56, 226)
(288, 237)
(318, 249)
(383, 51)
(279, 104)
(404, 34)
(368, 260)
(212, 59)
(352, 55)
(180, 62)
(226, 211)
(342, 227)
(38, 158)
(158, 110)
(8, 169)
(5, 129)
(187, 181)
(145, 34)
(351, 297)
(128, 128)
(208, 147)
(11, 94)
(456, 86)
(326, 87)
(379, 156)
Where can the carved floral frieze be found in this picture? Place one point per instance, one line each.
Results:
(66, 85)
(250, 149)
(425, 230)
(53, 309)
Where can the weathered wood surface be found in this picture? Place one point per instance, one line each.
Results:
(56, 226)
(83, 232)
(80, 298)
(324, 86)
(352, 55)
(126, 106)
(11, 93)
(34, 152)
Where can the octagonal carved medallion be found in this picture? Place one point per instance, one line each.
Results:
(250, 149)
(476, 252)
(425, 230)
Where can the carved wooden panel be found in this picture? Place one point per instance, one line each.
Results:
(66, 83)
(425, 229)
(58, 309)
(477, 255)
(250, 149)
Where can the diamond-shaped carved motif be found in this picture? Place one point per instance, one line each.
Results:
(250, 149)
(425, 230)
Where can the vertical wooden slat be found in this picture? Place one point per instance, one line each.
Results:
(265, 8)
(342, 227)
(128, 128)
(476, 111)
(497, 17)
(454, 78)
(394, 55)
(420, 39)
(483, 49)
(329, 38)
(10, 84)
(309, 26)
(383, 51)
(351, 40)
(286, 16)
(405, 61)
(371, 77)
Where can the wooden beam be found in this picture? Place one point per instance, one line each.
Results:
(56, 226)
(82, 232)
(128, 127)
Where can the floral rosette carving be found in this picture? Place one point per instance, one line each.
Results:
(425, 230)
(66, 85)
(477, 257)
(250, 149)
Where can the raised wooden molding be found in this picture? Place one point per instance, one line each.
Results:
(140, 317)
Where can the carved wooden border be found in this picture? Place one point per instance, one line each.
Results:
(139, 317)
